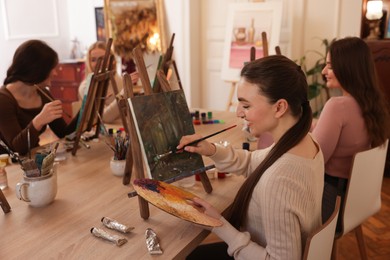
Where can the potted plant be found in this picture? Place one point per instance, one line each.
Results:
(316, 81)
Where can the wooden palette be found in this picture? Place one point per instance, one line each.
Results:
(173, 200)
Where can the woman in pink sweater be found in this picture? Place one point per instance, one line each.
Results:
(353, 122)
(279, 203)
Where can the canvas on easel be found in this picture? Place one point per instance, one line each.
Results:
(161, 120)
(164, 64)
(139, 160)
(93, 107)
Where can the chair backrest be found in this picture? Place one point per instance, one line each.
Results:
(320, 243)
(363, 195)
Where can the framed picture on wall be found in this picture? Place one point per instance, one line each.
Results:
(100, 24)
(135, 23)
(245, 23)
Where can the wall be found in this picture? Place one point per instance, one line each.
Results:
(82, 21)
(304, 24)
(327, 20)
(61, 42)
(197, 58)
(77, 20)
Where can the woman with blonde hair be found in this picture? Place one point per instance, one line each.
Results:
(111, 111)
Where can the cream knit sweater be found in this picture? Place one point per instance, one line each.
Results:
(285, 205)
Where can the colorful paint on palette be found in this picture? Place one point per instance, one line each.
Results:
(148, 184)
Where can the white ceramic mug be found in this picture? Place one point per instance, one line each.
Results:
(38, 191)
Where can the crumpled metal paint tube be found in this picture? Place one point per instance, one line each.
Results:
(152, 242)
(107, 236)
(115, 225)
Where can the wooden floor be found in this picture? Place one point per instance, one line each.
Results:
(376, 232)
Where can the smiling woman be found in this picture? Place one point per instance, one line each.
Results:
(266, 219)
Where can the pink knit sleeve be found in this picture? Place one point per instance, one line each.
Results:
(328, 128)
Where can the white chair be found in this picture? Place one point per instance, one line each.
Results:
(320, 243)
(363, 195)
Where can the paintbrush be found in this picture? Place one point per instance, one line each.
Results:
(10, 152)
(85, 144)
(105, 132)
(30, 168)
(28, 165)
(28, 143)
(48, 161)
(158, 157)
(49, 97)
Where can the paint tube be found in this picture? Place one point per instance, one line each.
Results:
(152, 242)
(115, 225)
(97, 232)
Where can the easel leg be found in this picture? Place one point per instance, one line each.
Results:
(205, 182)
(231, 94)
(128, 167)
(4, 203)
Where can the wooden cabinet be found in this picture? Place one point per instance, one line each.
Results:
(64, 86)
(380, 50)
(381, 54)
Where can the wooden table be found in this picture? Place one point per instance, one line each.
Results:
(87, 191)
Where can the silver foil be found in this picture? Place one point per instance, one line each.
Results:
(113, 224)
(152, 242)
(105, 235)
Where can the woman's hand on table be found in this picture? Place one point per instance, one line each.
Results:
(203, 148)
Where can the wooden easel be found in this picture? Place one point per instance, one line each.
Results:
(252, 58)
(103, 75)
(4, 203)
(129, 93)
(137, 160)
(164, 65)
